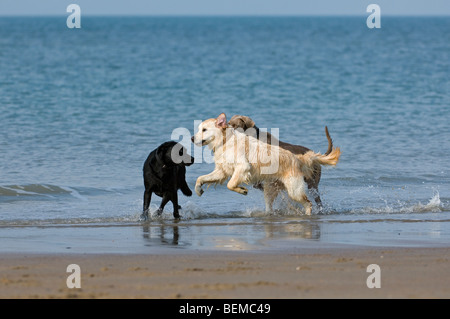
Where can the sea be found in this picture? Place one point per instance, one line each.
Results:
(81, 109)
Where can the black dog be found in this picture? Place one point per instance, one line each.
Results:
(165, 174)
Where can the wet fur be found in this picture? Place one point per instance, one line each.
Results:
(164, 177)
(312, 180)
(241, 159)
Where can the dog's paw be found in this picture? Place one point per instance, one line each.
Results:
(308, 210)
(198, 190)
(188, 193)
(244, 191)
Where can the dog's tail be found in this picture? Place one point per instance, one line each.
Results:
(311, 159)
(330, 142)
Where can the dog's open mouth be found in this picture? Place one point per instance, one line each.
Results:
(202, 142)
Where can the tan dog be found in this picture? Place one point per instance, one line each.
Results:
(245, 159)
(248, 126)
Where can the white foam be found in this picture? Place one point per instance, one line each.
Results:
(434, 205)
(189, 210)
(74, 193)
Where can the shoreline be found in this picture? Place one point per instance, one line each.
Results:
(259, 235)
(327, 272)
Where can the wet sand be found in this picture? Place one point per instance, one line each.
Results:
(322, 273)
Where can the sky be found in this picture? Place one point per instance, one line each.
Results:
(225, 7)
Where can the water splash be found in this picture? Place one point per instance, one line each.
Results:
(434, 205)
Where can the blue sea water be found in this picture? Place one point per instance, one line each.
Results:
(80, 109)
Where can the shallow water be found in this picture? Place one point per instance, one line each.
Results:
(81, 110)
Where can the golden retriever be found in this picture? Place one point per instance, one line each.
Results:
(245, 159)
(249, 127)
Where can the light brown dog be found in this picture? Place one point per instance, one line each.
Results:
(248, 126)
(245, 159)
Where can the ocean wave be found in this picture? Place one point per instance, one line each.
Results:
(47, 191)
(32, 190)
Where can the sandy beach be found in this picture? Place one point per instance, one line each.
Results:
(325, 273)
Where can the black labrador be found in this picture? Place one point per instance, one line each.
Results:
(164, 174)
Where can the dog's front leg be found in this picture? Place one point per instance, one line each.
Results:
(216, 176)
(164, 201)
(147, 199)
(239, 176)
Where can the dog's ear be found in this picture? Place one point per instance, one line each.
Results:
(242, 124)
(221, 121)
(248, 122)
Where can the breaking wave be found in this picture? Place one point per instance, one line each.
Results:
(11, 193)
(32, 190)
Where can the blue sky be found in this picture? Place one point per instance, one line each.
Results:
(225, 7)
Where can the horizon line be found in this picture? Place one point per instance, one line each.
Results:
(2, 15)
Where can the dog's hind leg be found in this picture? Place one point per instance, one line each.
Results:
(314, 184)
(270, 193)
(306, 204)
(314, 191)
(317, 199)
(295, 187)
(176, 214)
